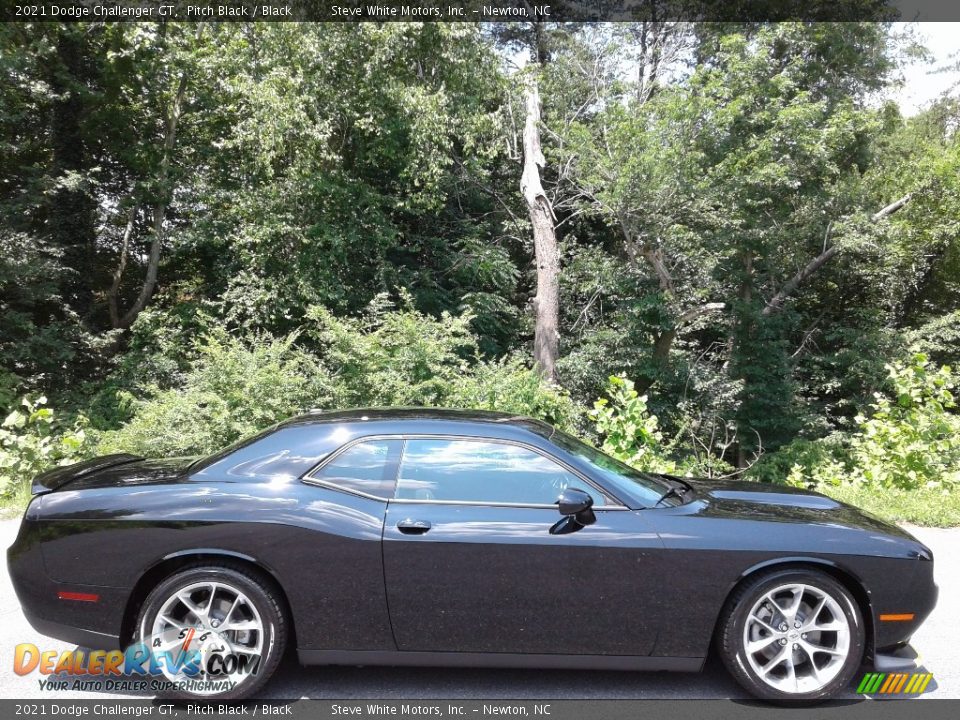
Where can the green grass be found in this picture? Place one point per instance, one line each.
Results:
(928, 507)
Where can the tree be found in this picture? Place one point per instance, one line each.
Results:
(546, 302)
(170, 112)
(720, 185)
(722, 214)
(536, 39)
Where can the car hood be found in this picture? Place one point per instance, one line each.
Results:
(783, 503)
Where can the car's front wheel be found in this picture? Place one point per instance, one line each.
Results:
(792, 635)
(212, 632)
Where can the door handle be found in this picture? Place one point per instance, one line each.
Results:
(413, 527)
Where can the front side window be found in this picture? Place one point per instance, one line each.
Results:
(648, 488)
(482, 472)
(367, 467)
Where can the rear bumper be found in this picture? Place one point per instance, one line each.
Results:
(90, 639)
(94, 624)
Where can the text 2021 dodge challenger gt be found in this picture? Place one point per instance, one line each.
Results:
(426, 537)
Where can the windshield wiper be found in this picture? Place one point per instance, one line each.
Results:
(677, 491)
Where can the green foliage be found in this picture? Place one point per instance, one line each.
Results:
(41, 340)
(804, 463)
(33, 439)
(234, 388)
(9, 384)
(912, 439)
(392, 357)
(399, 356)
(908, 440)
(923, 506)
(631, 433)
(766, 412)
(938, 337)
(510, 385)
(320, 168)
(628, 430)
(161, 349)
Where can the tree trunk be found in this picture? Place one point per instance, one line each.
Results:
(114, 290)
(159, 212)
(746, 328)
(546, 303)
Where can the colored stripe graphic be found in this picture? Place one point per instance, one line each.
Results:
(894, 683)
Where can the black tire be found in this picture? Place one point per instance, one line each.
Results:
(730, 639)
(260, 594)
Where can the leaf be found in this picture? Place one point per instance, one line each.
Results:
(14, 419)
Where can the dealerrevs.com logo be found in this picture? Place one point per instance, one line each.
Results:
(198, 662)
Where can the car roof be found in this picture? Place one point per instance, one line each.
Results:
(408, 413)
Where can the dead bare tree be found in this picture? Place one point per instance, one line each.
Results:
(546, 302)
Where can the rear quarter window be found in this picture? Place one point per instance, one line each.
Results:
(368, 467)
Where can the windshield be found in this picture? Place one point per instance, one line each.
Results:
(645, 487)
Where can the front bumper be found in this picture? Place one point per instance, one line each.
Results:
(918, 597)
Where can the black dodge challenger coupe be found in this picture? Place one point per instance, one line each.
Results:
(459, 538)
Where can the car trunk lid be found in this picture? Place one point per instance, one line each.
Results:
(61, 476)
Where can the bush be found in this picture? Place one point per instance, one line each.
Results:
(923, 507)
(630, 433)
(392, 357)
(160, 350)
(236, 387)
(913, 439)
(401, 357)
(805, 463)
(908, 440)
(9, 384)
(510, 386)
(34, 439)
(628, 429)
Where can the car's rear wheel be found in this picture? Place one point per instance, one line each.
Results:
(214, 633)
(792, 635)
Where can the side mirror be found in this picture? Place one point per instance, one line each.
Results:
(573, 501)
(577, 508)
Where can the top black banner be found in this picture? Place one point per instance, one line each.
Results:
(583, 11)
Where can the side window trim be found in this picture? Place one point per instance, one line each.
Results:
(618, 504)
(310, 478)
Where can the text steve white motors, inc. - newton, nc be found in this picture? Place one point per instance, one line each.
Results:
(407, 709)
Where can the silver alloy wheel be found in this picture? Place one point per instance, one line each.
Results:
(796, 638)
(224, 621)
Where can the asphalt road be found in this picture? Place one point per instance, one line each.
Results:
(936, 643)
